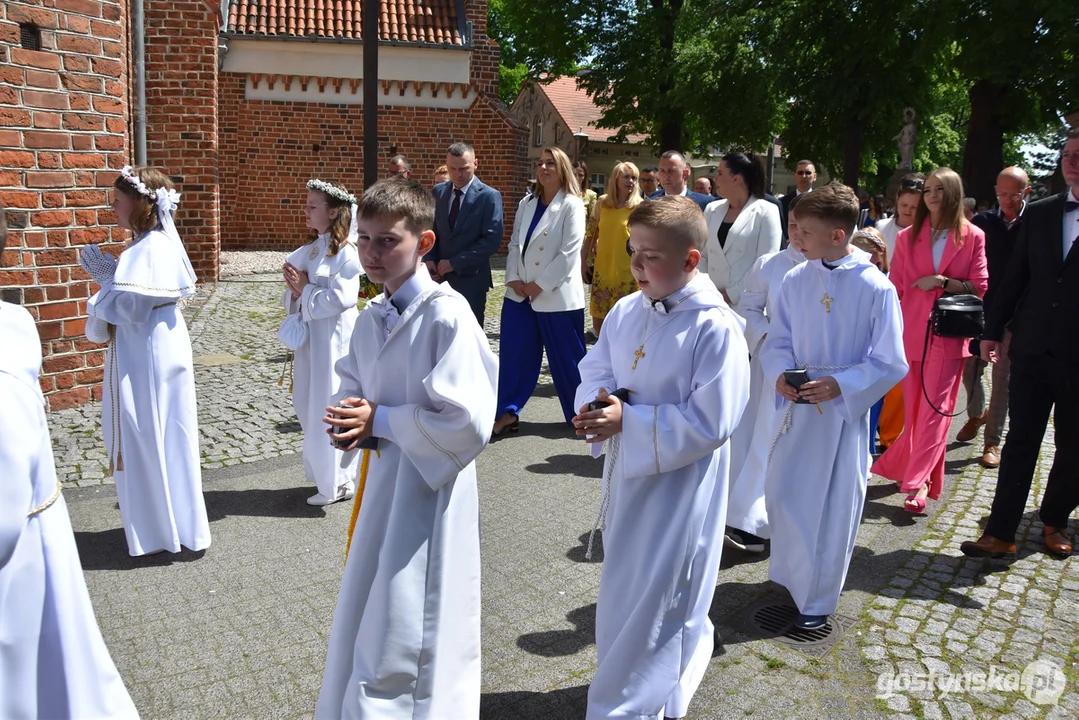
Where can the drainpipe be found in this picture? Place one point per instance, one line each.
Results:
(138, 23)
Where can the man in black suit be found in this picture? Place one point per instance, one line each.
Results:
(673, 175)
(805, 174)
(1039, 303)
(468, 229)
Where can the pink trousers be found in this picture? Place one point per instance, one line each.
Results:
(917, 456)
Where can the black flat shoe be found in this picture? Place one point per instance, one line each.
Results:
(511, 428)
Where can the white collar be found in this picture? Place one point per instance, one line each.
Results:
(464, 190)
(410, 290)
(798, 192)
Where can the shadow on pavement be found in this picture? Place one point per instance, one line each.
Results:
(107, 550)
(553, 705)
(579, 465)
(282, 503)
(560, 643)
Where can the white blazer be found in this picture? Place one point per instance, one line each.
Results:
(553, 257)
(755, 232)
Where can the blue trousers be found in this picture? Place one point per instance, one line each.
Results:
(874, 422)
(525, 335)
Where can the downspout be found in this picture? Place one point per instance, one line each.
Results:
(138, 23)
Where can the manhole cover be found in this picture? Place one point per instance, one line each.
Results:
(773, 619)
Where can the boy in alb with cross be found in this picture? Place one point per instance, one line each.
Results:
(681, 353)
(837, 319)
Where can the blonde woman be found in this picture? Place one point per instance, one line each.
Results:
(544, 305)
(611, 277)
(941, 252)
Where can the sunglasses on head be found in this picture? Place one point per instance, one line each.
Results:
(914, 184)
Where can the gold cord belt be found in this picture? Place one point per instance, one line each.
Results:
(45, 505)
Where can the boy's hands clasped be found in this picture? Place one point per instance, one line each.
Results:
(599, 425)
(356, 422)
(815, 391)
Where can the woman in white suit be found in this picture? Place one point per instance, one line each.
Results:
(742, 227)
(544, 305)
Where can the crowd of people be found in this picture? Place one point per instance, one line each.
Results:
(751, 355)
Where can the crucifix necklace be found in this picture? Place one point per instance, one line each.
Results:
(827, 300)
(638, 354)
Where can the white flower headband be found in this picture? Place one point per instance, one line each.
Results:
(166, 200)
(332, 190)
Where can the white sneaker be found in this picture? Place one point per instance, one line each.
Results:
(318, 499)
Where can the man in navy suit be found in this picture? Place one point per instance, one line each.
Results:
(673, 175)
(804, 176)
(468, 229)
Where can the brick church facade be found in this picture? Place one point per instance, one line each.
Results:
(245, 101)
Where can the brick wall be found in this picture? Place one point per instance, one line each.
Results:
(181, 118)
(269, 150)
(63, 138)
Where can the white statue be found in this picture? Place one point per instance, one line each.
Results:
(905, 138)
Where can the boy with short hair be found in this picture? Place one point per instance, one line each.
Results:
(421, 379)
(837, 318)
(680, 352)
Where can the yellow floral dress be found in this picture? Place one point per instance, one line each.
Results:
(611, 279)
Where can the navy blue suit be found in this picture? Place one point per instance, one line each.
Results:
(475, 237)
(699, 198)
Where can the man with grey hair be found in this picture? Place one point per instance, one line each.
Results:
(399, 167)
(468, 229)
(1001, 228)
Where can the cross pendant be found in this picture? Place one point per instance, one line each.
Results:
(827, 302)
(637, 355)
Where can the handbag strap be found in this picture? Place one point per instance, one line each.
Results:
(925, 392)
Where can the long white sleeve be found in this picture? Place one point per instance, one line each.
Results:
(342, 292)
(118, 307)
(21, 450)
(752, 304)
(596, 375)
(558, 270)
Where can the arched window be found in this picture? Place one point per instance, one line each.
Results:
(537, 132)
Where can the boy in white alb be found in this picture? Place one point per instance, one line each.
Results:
(681, 353)
(837, 318)
(421, 379)
(53, 662)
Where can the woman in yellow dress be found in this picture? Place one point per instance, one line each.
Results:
(611, 278)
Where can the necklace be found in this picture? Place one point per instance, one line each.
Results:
(638, 354)
(827, 300)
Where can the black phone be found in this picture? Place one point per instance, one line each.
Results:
(796, 379)
(621, 393)
(369, 443)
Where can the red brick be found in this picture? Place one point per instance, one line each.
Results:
(33, 296)
(52, 200)
(9, 33)
(49, 179)
(85, 217)
(83, 83)
(50, 330)
(112, 49)
(76, 63)
(87, 377)
(115, 88)
(52, 218)
(82, 142)
(116, 125)
(77, 24)
(11, 74)
(48, 276)
(83, 121)
(59, 311)
(47, 383)
(63, 399)
(77, 44)
(35, 58)
(18, 199)
(80, 7)
(78, 101)
(40, 99)
(83, 160)
(64, 380)
(86, 198)
(37, 16)
(9, 95)
(43, 79)
(48, 160)
(46, 120)
(55, 293)
(103, 66)
(109, 142)
(13, 117)
(43, 140)
(111, 12)
(10, 178)
(108, 106)
(16, 277)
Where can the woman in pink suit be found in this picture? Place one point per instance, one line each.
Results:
(939, 253)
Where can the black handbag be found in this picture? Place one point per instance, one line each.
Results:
(954, 316)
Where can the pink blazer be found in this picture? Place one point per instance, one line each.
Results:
(965, 261)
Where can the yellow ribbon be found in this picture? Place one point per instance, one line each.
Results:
(365, 465)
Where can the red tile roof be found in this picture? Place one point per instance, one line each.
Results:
(578, 110)
(411, 21)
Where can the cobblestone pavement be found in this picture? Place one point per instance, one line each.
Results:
(240, 632)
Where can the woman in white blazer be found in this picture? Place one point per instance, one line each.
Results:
(742, 227)
(544, 305)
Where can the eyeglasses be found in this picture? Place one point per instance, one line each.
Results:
(1012, 196)
(804, 173)
(397, 173)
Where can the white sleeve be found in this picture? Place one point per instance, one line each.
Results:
(513, 252)
(23, 442)
(559, 269)
(343, 292)
(777, 352)
(443, 435)
(596, 374)
(661, 438)
(118, 307)
(752, 304)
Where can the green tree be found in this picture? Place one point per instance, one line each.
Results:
(512, 71)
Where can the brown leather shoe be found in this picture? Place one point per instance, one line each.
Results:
(987, 546)
(991, 456)
(970, 431)
(1057, 541)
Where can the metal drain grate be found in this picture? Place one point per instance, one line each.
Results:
(773, 618)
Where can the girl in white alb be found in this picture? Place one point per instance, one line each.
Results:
(323, 279)
(149, 417)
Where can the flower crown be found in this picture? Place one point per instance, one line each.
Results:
(129, 174)
(166, 200)
(332, 190)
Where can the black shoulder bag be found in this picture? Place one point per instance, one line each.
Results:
(954, 316)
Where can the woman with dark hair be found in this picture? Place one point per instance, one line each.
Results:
(588, 197)
(940, 253)
(742, 227)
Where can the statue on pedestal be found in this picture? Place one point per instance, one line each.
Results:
(905, 139)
